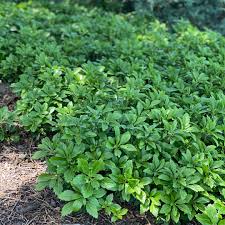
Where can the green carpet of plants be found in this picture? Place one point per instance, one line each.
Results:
(128, 113)
(202, 13)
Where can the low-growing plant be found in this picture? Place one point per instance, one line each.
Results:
(213, 214)
(202, 13)
(130, 112)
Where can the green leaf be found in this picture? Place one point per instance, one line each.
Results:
(184, 208)
(68, 195)
(45, 177)
(83, 165)
(58, 186)
(97, 166)
(125, 138)
(67, 209)
(154, 210)
(222, 222)
(90, 134)
(58, 161)
(146, 180)
(139, 107)
(196, 187)
(109, 184)
(203, 219)
(92, 207)
(144, 208)
(128, 147)
(223, 192)
(202, 200)
(41, 185)
(117, 153)
(109, 198)
(87, 190)
(69, 175)
(99, 193)
(175, 215)
(39, 155)
(212, 213)
(164, 177)
(79, 180)
(165, 209)
(77, 204)
(155, 102)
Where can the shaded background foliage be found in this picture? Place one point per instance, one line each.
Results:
(202, 13)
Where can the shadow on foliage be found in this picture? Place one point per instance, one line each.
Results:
(208, 14)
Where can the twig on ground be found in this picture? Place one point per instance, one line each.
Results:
(12, 210)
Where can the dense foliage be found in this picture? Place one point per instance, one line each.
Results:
(132, 113)
(202, 13)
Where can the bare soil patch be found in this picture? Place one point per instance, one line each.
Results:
(7, 98)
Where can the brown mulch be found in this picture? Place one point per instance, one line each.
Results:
(16, 169)
(7, 98)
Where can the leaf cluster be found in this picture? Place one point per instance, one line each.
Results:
(131, 112)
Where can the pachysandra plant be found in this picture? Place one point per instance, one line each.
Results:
(129, 112)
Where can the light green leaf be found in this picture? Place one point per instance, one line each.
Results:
(128, 147)
(146, 180)
(67, 209)
(92, 207)
(109, 184)
(39, 154)
(175, 215)
(79, 180)
(203, 219)
(99, 193)
(164, 177)
(165, 209)
(222, 222)
(68, 195)
(125, 138)
(83, 165)
(184, 208)
(139, 108)
(87, 190)
(69, 175)
(144, 208)
(97, 166)
(212, 213)
(77, 204)
(196, 187)
(41, 185)
(154, 209)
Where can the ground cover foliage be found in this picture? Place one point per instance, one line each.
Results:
(128, 112)
(202, 13)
